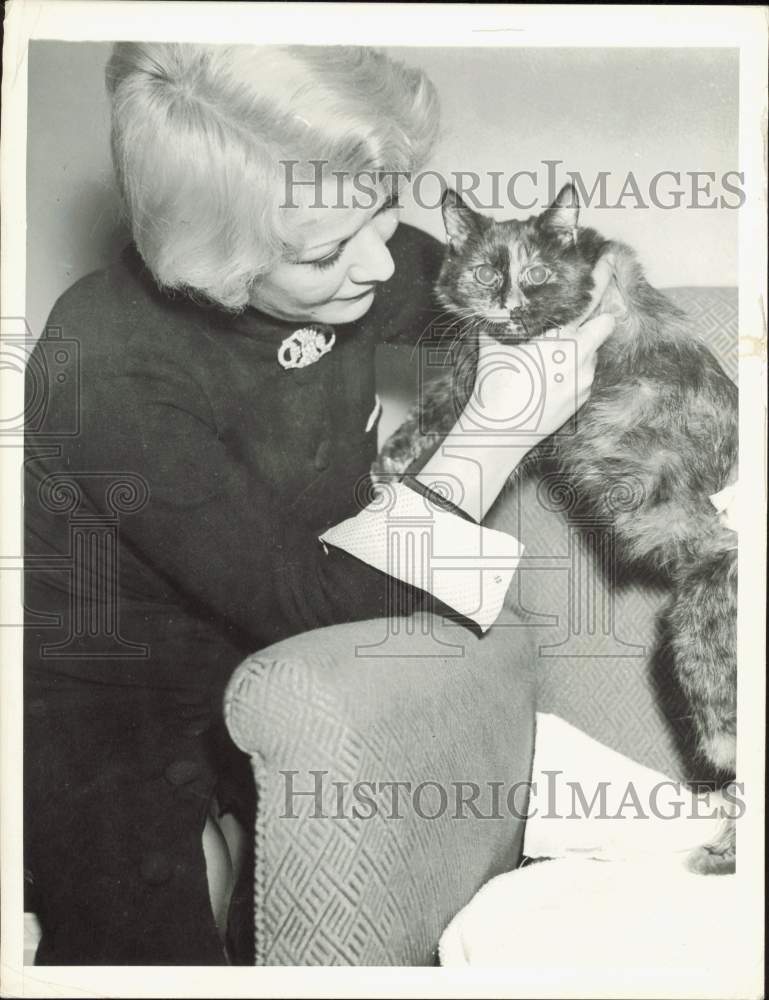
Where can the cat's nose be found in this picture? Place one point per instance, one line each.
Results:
(516, 315)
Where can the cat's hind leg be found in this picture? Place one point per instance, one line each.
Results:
(703, 620)
(719, 857)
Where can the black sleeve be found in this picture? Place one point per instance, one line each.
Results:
(213, 528)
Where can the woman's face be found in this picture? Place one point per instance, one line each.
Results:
(343, 258)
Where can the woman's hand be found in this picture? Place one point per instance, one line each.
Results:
(531, 389)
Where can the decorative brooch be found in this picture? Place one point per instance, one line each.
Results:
(306, 346)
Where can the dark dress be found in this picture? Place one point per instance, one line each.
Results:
(176, 481)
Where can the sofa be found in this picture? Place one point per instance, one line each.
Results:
(331, 719)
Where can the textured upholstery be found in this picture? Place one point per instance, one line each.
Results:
(356, 703)
(361, 704)
(713, 314)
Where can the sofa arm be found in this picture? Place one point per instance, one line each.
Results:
(324, 711)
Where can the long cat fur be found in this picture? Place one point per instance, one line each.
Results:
(657, 437)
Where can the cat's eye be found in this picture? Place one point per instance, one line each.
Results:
(537, 274)
(485, 274)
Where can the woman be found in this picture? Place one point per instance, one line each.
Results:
(226, 418)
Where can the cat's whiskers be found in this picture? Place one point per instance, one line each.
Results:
(466, 323)
(436, 322)
(468, 327)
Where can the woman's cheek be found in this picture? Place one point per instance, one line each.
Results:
(327, 285)
(310, 289)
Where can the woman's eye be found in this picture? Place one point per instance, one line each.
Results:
(388, 220)
(486, 274)
(329, 259)
(537, 275)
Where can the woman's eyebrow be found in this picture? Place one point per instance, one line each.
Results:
(387, 202)
(331, 243)
(335, 241)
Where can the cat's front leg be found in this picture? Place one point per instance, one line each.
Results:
(427, 424)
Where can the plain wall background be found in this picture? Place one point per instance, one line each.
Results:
(621, 110)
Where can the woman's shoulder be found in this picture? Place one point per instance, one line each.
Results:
(123, 289)
(118, 312)
(415, 250)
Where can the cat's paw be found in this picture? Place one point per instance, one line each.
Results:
(721, 750)
(385, 469)
(718, 857)
(376, 472)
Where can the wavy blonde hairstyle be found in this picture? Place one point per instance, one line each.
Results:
(200, 132)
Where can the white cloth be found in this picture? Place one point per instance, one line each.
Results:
(464, 565)
(617, 913)
(589, 800)
(580, 927)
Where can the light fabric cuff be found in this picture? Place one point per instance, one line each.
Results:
(464, 565)
(725, 503)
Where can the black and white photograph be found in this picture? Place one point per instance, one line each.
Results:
(383, 427)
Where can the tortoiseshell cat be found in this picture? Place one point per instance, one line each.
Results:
(660, 424)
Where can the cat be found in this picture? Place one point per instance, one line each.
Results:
(659, 429)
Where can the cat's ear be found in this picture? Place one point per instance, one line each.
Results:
(562, 218)
(459, 219)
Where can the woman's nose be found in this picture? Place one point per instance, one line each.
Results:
(372, 261)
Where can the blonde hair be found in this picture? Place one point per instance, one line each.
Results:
(199, 133)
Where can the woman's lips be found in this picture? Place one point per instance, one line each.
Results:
(354, 298)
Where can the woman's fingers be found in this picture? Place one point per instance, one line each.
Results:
(593, 333)
(554, 371)
(588, 338)
(602, 275)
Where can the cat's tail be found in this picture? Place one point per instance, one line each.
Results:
(703, 620)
